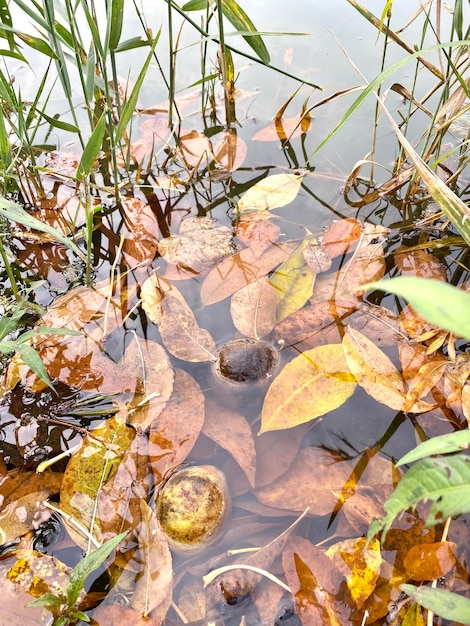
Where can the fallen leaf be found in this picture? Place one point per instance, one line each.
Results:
(342, 237)
(314, 383)
(230, 150)
(293, 282)
(418, 263)
(295, 490)
(256, 231)
(359, 560)
(253, 309)
(317, 258)
(195, 149)
(174, 432)
(231, 431)
(152, 292)
(275, 452)
(140, 231)
(284, 129)
(270, 193)
(240, 269)
(24, 514)
(182, 335)
(429, 561)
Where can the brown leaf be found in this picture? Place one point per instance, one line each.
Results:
(230, 150)
(256, 231)
(295, 490)
(195, 149)
(174, 432)
(152, 292)
(316, 257)
(231, 431)
(140, 232)
(284, 129)
(253, 309)
(182, 335)
(148, 362)
(240, 269)
(418, 263)
(429, 561)
(120, 615)
(275, 452)
(24, 514)
(342, 237)
(420, 371)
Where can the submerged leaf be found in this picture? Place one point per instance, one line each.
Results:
(446, 604)
(284, 129)
(312, 384)
(253, 309)
(272, 192)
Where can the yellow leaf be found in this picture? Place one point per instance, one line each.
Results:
(271, 193)
(293, 282)
(312, 384)
(360, 564)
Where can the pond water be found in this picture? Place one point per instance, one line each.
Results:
(272, 477)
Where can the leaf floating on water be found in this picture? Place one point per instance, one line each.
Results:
(270, 193)
(342, 237)
(314, 383)
(241, 269)
(174, 432)
(317, 258)
(195, 149)
(284, 129)
(140, 229)
(182, 335)
(429, 561)
(253, 309)
(256, 231)
(230, 150)
(152, 292)
(233, 433)
(293, 282)
(373, 370)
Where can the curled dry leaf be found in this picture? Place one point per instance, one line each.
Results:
(272, 192)
(314, 383)
(240, 269)
(231, 431)
(230, 150)
(295, 490)
(253, 309)
(202, 242)
(148, 362)
(182, 335)
(284, 129)
(174, 432)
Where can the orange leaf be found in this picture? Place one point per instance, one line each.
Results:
(284, 129)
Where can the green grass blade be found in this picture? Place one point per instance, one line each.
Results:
(37, 44)
(115, 20)
(438, 302)
(240, 20)
(447, 604)
(34, 362)
(92, 148)
(15, 213)
(56, 123)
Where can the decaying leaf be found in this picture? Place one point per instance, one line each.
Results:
(253, 309)
(257, 231)
(201, 243)
(342, 237)
(140, 230)
(293, 282)
(430, 561)
(152, 292)
(314, 383)
(230, 430)
(195, 148)
(240, 269)
(412, 262)
(317, 258)
(284, 129)
(174, 432)
(182, 335)
(270, 193)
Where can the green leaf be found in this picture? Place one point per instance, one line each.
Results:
(38, 44)
(195, 5)
(92, 148)
(44, 330)
(115, 23)
(438, 302)
(130, 105)
(293, 282)
(445, 481)
(245, 27)
(443, 444)
(48, 599)
(451, 606)
(314, 383)
(53, 121)
(15, 213)
(89, 564)
(31, 357)
(240, 20)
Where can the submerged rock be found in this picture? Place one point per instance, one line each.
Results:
(245, 360)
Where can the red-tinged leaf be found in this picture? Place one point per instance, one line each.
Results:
(314, 383)
(284, 129)
(321, 494)
(195, 149)
(342, 237)
(231, 431)
(182, 335)
(230, 151)
(253, 309)
(240, 269)
(174, 432)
